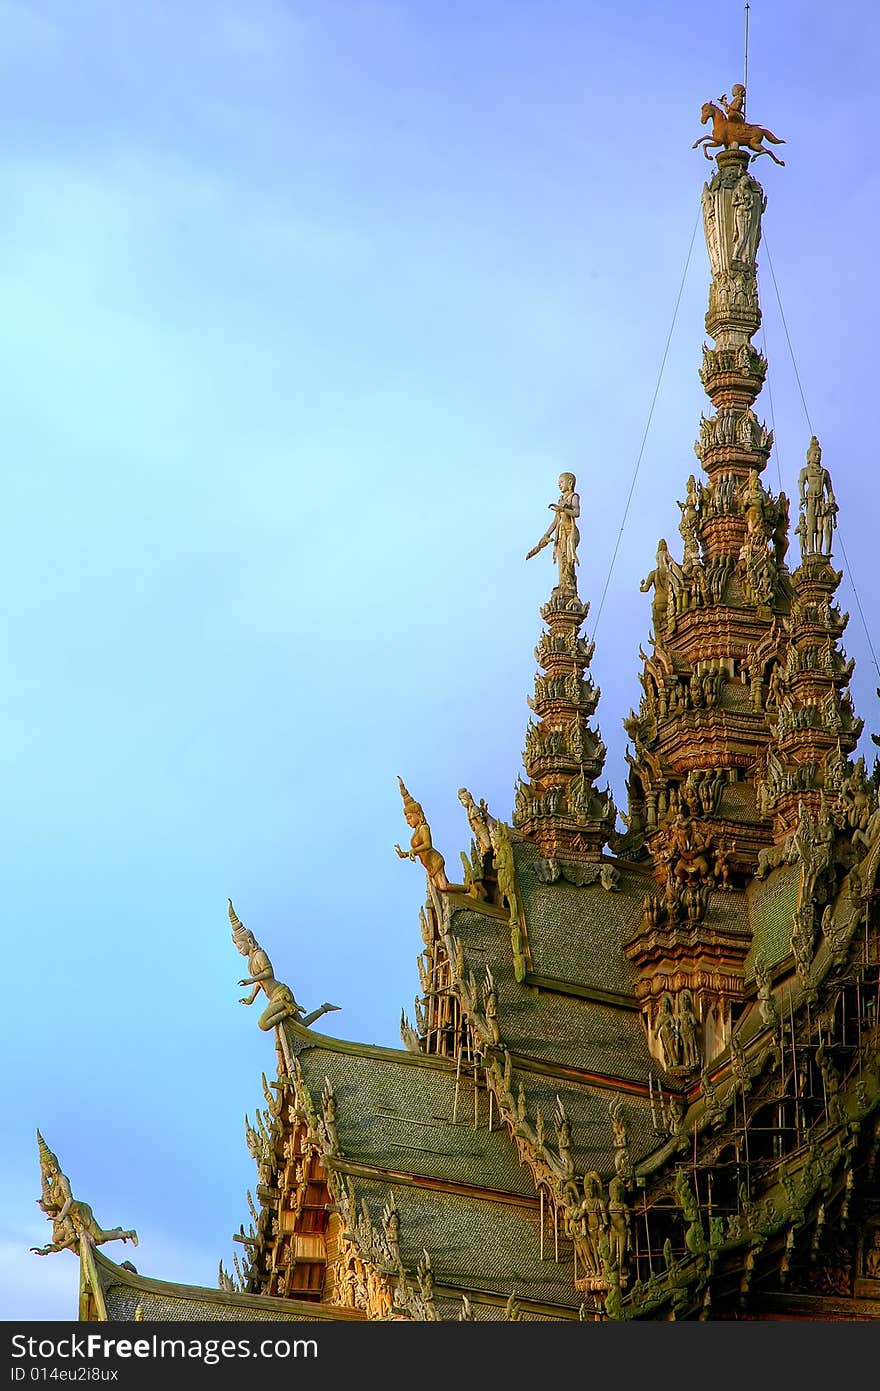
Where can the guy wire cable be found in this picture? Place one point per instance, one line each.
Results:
(647, 428)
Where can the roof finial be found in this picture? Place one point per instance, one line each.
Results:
(818, 505)
(563, 532)
(421, 846)
(745, 63)
(408, 799)
(559, 808)
(282, 1003)
(72, 1221)
(730, 130)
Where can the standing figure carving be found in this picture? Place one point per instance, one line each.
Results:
(421, 846)
(753, 503)
(742, 209)
(618, 1221)
(667, 1032)
(666, 579)
(479, 820)
(780, 530)
(690, 523)
(595, 1215)
(749, 202)
(688, 1026)
(721, 866)
(563, 532)
(818, 504)
(711, 228)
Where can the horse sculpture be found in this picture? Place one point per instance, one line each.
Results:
(728, 134)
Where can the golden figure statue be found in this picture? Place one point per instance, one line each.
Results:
(688, 1031)
(730, 130)
(667, 580)
(754, 505)
(479, 820)
(563, 532)
(818, 504)
(721, 864)
(72, 1221)
(666, 1029)
(282, 1004)
(734, 107)
(421, 847)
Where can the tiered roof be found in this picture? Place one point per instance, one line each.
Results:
(643, 1077)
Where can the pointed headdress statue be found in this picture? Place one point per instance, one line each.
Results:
(47, 1157)
(282, 1002)
(240, 933)
(421, 847)
(409, 801)
(72, 1221)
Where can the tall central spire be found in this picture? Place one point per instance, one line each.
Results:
(734, 445)
(730, 734)
(700, 728)
(742, 739)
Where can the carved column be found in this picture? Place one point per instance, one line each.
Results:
(559, 807)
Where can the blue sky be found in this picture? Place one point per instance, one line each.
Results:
(304, 308)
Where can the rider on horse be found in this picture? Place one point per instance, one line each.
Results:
(734, 107)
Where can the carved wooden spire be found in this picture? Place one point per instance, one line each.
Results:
(808, 706)
(701, 734)
(745, 728)
(558, 807)
(701, 731)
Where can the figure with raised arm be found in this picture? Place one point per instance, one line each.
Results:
(72, 1221)
(421, 846)
(563, 532)
(282, 1004)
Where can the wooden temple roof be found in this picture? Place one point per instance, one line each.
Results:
(640, 1084)
(112, 1293)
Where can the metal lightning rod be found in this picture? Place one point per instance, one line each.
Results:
(746, 63)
